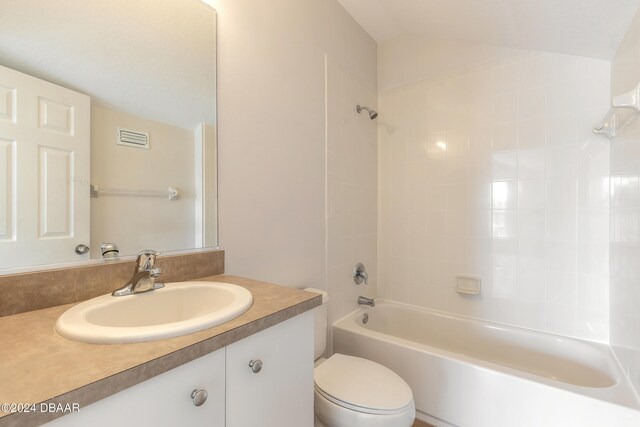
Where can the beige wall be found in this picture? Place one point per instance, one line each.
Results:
(625, 215)
(489, 167)
(271, 114)
(136, 223)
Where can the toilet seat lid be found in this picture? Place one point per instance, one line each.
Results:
(362, 385)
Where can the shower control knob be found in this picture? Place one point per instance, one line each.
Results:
(360, 274)
(199, 397)
(256, 365)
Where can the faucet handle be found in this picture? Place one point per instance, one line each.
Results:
(146, 259)
(359, 274)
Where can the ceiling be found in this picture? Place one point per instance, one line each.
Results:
(591, 28)
(151, 58)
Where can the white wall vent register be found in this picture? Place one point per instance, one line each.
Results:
(132, 138)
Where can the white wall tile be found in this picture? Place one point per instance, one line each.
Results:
(532, 132)
(561, 129)
(504, 78)
(504, 224)
(561, 319)
(531, 284)
(532, 194)
(505, 281)
(456, 196)
(352, 199)
(593, 292)
(593, 225)
(562, 288)
(531, 163)
(561, 193)
(531, 253)
(593, 258)
(531, 223)
(561, 256)
(437, 145)
(457, 223)
(479, 194)
(531, 104)
(502, 110)
(624, 248)
(562, 161)
(505, 165)
(593, 193)
(479, 223)
(436, 223)
(593, 157)
(457, 170)
(457, 143)
(508, 183)
(504, 136)
(561, 224)
(505, 252)
(504, 195)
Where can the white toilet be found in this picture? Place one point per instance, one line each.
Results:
(355, 392)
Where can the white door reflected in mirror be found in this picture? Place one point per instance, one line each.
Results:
(44, 152)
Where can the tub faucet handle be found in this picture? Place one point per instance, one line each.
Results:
(360, 274)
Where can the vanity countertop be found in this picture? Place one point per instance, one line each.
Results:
(39, 366)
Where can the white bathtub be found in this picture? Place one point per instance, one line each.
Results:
(467, 372)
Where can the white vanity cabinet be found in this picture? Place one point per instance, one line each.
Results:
(162, 401)
(280, 393)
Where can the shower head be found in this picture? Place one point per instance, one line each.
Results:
(372, 114)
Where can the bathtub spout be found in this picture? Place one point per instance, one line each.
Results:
(366, 301)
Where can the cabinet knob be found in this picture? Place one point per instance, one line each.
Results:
(256, 365)
(199, 397)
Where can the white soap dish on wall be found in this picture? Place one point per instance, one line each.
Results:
(468, 285)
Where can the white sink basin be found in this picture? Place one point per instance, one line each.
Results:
(177, 309)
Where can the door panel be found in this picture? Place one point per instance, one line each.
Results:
(55, 189)
(7, 103)
(7, 189)
(55, 116)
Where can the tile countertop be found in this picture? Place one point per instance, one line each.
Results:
(39, 366)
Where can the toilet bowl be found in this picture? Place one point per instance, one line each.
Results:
(356, 392)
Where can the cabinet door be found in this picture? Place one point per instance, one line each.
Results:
(281, 393)
(162, 401)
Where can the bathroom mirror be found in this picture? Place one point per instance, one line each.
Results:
(107, 129)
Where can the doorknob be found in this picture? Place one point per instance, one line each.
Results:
(82, 249)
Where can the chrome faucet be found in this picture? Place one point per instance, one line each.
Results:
(144, 275)
(366, 301)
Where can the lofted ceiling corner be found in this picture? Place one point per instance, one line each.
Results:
(589, 28)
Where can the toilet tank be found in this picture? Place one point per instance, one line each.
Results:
(320, 315)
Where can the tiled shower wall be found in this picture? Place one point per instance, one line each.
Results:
(352, 187)
(494, 172)
(625, 216)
